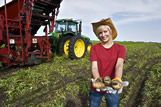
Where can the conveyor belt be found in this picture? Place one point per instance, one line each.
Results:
(41, 11)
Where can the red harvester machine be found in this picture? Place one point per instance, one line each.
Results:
(19, 22)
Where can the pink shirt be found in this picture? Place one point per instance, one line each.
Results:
(107, 58)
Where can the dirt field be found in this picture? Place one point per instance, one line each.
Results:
(61, 82)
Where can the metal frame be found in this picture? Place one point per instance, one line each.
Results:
(22, 27)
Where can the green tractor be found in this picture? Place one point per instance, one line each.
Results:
(67, 39)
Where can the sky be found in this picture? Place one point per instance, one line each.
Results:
(135, 20)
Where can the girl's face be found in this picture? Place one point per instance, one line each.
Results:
(104, 33)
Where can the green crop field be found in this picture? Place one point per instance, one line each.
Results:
(62, 82)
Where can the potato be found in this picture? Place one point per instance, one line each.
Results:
(107, 80)
(116, 85)
(98, 85)
(99, 79)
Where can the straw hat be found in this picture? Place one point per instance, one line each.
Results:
(108, 22)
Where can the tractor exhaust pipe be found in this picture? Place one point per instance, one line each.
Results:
(80, 27)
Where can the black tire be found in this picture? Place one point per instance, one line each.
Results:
(88, 46)
(76, 47)
(62, 42)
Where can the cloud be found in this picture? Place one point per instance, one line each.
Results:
(128, 11)
(122, 11)
(2, 2)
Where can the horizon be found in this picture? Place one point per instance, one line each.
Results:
(138, 21)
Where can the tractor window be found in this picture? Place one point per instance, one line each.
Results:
(60, 27)
(72, 27)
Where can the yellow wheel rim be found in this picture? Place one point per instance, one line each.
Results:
(79, 48)
(66, 47)
(89, 48)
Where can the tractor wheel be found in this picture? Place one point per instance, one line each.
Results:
(64, 45)
(76, 47)
(88, 46)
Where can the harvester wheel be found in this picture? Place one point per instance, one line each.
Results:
(76, 47)
(88, 46)
(64, 45)
(35, 59)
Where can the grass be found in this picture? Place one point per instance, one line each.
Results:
(60, 80)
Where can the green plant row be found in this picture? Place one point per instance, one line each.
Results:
(60, 81)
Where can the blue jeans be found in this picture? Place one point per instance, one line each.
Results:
(96, 98)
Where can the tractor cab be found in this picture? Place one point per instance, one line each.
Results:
(67, 25)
